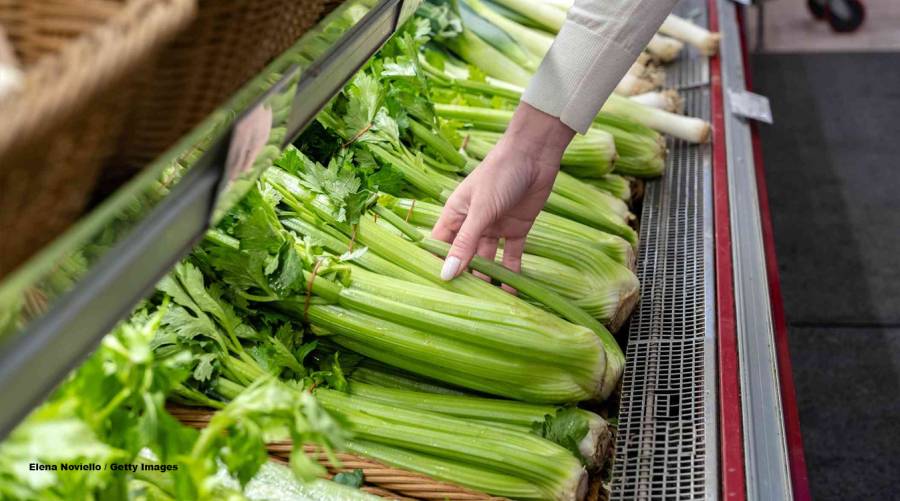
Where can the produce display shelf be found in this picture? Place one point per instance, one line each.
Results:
(57, 307)
(665, 446)
(707, 409)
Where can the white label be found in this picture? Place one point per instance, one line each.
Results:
(249, 137)
(750, 105)
(743, 2)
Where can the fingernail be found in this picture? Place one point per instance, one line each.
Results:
(451, 266)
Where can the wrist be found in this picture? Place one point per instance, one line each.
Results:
(538, 134)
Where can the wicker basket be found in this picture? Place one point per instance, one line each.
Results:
(227, 44)
(62, 124)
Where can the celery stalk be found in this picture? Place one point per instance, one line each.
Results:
(546, 464)
(548, 16)
(613, 184)
(585, 433)
(549, 229)
(589, 155)
(461, 473)
(493, 62)
(537, 42)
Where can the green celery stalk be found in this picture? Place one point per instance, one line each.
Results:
(589, 155)
(450, 360)
(549, 17)
(537, 42)
(576, 190)
(608, 299)
(493, 62)
(614, 184)
(457, 316)
(548, 231)
(388, 377)
(437, 143)
(566, 309)
(338, 243)
(498, 38)
(462, 406)
(456, 472)
(533, 289)
(585, 432)
(546, 464)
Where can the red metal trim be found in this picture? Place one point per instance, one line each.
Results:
(793, 435)
(731, 450)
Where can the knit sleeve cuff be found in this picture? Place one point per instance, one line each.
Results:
(577, 75)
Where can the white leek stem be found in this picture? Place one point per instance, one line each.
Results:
(690, 129)
(655, 74)
(643, 58)
(664, 48)
(631, 85)
(679, 28)
(668, 100)
(652, 73)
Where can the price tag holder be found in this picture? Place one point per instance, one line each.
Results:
(254, 141)
(749, 105)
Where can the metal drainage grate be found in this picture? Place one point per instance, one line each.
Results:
(666, 446)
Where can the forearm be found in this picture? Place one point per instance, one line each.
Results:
(538, 134)
(595, 47)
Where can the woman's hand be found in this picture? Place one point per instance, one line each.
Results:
(502, 197)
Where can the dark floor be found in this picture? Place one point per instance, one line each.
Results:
(832, 163)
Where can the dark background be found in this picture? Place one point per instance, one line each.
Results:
(832, 162)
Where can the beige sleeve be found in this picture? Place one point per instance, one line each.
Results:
(594, 49)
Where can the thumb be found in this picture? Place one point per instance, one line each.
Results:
(465, 244)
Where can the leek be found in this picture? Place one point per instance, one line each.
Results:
(668, 100)
(663, 48)
(689, 129)
(631, 85)
(700, 38)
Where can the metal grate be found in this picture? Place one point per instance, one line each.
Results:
(666, 446)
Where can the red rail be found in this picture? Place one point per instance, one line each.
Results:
(730, 429)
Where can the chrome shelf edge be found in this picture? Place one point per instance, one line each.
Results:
(765, 448)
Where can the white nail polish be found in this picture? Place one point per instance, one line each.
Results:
(451, 265)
